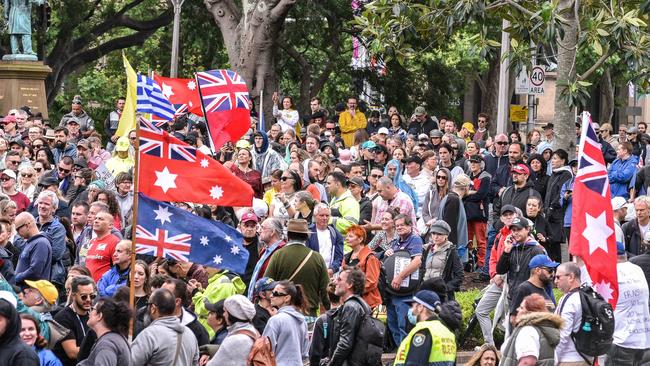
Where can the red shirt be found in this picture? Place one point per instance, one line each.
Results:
(100, 255)
(22, 202)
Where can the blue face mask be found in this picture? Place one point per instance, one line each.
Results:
(411, 317)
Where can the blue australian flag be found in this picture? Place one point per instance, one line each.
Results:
(170, 232)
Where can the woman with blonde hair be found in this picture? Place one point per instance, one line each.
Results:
(27, 181)
(487, 355)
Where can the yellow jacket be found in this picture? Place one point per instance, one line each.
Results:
(349, 125)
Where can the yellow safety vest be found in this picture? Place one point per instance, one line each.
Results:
(443, 345)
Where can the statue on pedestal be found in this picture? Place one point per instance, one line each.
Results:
(19, 21)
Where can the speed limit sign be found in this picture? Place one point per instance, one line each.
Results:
(537, 77)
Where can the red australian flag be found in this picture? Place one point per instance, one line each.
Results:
(183, 93)
(171, 170)
(592, 232)
(225, 99)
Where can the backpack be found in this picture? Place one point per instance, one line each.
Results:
(369, 343)
(596, 333)
(261, 353)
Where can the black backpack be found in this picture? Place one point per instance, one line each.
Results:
(368, 346)
(596, 333)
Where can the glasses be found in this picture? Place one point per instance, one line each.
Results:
(277, 294)
(502, 143)
(133, 138)
(84, 297)
(376, 175)
(21, 226)
(284, 179)
(13, 162)
(441, 177)
(26, 175)
(63, 170)
(37, 146)
(38, 170)
(5, 179)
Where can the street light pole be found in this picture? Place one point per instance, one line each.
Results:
(175, 36)
(504, 77)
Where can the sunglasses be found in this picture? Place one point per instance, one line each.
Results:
(38, 170)
(62, 170)
(284, 179)
(21, 226)
(376, 175)
(441, 177)
(26, 175)
(13, 162)
(84, 297)
(5, 179)
(502, 143)
(277, 294)
(37, 146)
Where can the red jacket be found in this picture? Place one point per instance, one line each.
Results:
(497, 250)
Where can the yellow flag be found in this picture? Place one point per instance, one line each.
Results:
(127, 120)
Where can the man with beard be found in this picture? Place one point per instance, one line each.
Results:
(87, 124)
(75, 318)
(542, 270)
(272, 236)
(248, 228)
(313, 186)
(61, 146)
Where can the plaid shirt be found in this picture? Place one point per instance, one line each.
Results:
(401, 200)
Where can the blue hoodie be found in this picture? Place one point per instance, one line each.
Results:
(265, 159)
(400, 183)
(620, 175)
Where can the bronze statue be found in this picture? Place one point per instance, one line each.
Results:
(18, 17)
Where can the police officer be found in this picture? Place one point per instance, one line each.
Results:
(429, 342)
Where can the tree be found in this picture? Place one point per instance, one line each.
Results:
(85, 31)
(562, 29)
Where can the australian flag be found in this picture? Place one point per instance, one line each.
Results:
(170, 232)
(151, 99)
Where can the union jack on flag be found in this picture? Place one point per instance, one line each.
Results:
(151, 99)
(154, 144)
(161, 244)
(160, 122)
(222, 90)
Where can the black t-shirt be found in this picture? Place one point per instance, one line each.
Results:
(262, 317)
(524, 289)
(78, 326)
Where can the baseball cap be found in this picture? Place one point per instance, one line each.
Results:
(122, 144)
(436, 133)
(48, 181)
(249, 216)
(469, 126)
(264, 284)
(382, 131)
(521, 223)
(215, 307)
(520, 169)
(9, 297)
(10, 173)
(426, 298)
(46, 288)
(420, 111)
(356, 181)
(369, 145)
(423, 136)
(508, 208)
(81, 162)
(475, 158)
(9, 119)
(73, 120)
(618, 203)
(20, 143)
(632, 130)
(542, 260)
(83, 142)
(548, 125)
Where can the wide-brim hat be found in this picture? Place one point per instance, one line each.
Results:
(299, 226)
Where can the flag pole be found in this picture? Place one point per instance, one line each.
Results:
(261, 120)
(136, 174)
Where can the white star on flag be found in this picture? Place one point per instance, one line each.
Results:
(204, 163)
(216, 192)
(228, 238)
(604, 289)
(234, 250)
(191, 85)
(596, 232)
(217, 259)
(204, 241)
(165, 180)
(163, 214)
(167, 90)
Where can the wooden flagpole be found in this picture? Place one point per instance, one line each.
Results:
(134, 222)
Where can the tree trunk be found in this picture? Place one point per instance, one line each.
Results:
(606, 97)
(566, 72)
(489, 94)
(250, 34)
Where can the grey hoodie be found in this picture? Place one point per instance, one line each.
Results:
(156, 345)
(287, 331)
(235, 348)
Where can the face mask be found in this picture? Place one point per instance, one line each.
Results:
(411, 317)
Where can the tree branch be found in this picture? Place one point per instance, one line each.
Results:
(595, 66)
(279, 12)
(522, 9)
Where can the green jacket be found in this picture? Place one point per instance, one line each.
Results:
(220, 286)
(548, 327)
(312, 276)
(348, 208)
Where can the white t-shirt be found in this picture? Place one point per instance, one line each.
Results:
(325, 247)
(632, 315)
(644, 229)
(526, 344)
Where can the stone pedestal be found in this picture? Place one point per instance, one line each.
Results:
(22, 83)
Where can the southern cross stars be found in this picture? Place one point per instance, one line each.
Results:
(167, 90)
(204, 163)
(162, 215)
(216, 192)
(165, 180)
(217, 259)
(234, 250)
(597, 232)
(204, 241)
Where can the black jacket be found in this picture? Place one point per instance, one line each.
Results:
(365, 210)
(416, 128)
(515, 263)
(517, 197)
(347, 319)
(554, 210)
(477, 204)
(642, 180)
(608, 151)
(633, 239)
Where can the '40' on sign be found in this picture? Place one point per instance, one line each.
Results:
(536, 80)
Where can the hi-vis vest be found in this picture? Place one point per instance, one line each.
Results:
(443, 345)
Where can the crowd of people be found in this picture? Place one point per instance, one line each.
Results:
(361, 233)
